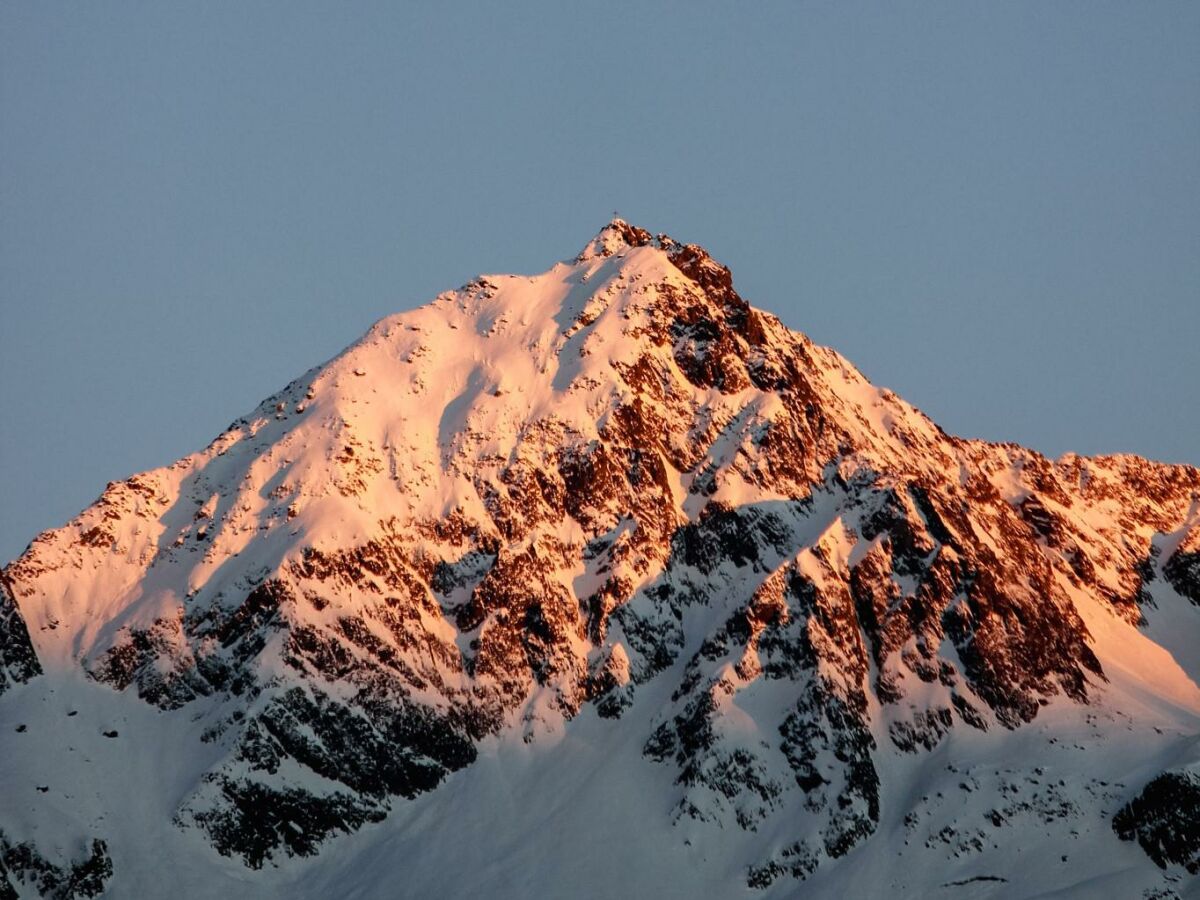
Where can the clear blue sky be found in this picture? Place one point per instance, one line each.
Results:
(992, 208)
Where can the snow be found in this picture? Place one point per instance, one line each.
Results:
(580, 812)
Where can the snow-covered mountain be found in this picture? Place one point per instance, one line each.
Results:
(603, 583)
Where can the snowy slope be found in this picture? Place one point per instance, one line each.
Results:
(601, 582)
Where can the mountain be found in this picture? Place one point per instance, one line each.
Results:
(603, 583)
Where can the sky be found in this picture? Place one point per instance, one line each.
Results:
(993, 209)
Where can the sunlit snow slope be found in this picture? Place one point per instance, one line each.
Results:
(602, 583)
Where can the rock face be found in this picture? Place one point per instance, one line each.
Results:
(22, 865)
(1165, 820)
(610, 482)
(18, 659)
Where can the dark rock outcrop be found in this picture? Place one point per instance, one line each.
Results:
(18, 659)
(22, 863)
(1164, 818)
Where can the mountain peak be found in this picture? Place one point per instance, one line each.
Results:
(611, 486)
(691, 259)
(614, 237)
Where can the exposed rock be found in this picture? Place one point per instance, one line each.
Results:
(18, 659)
(23, 864)
(1165, 820)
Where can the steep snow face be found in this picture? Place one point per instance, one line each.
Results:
(610, 504)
